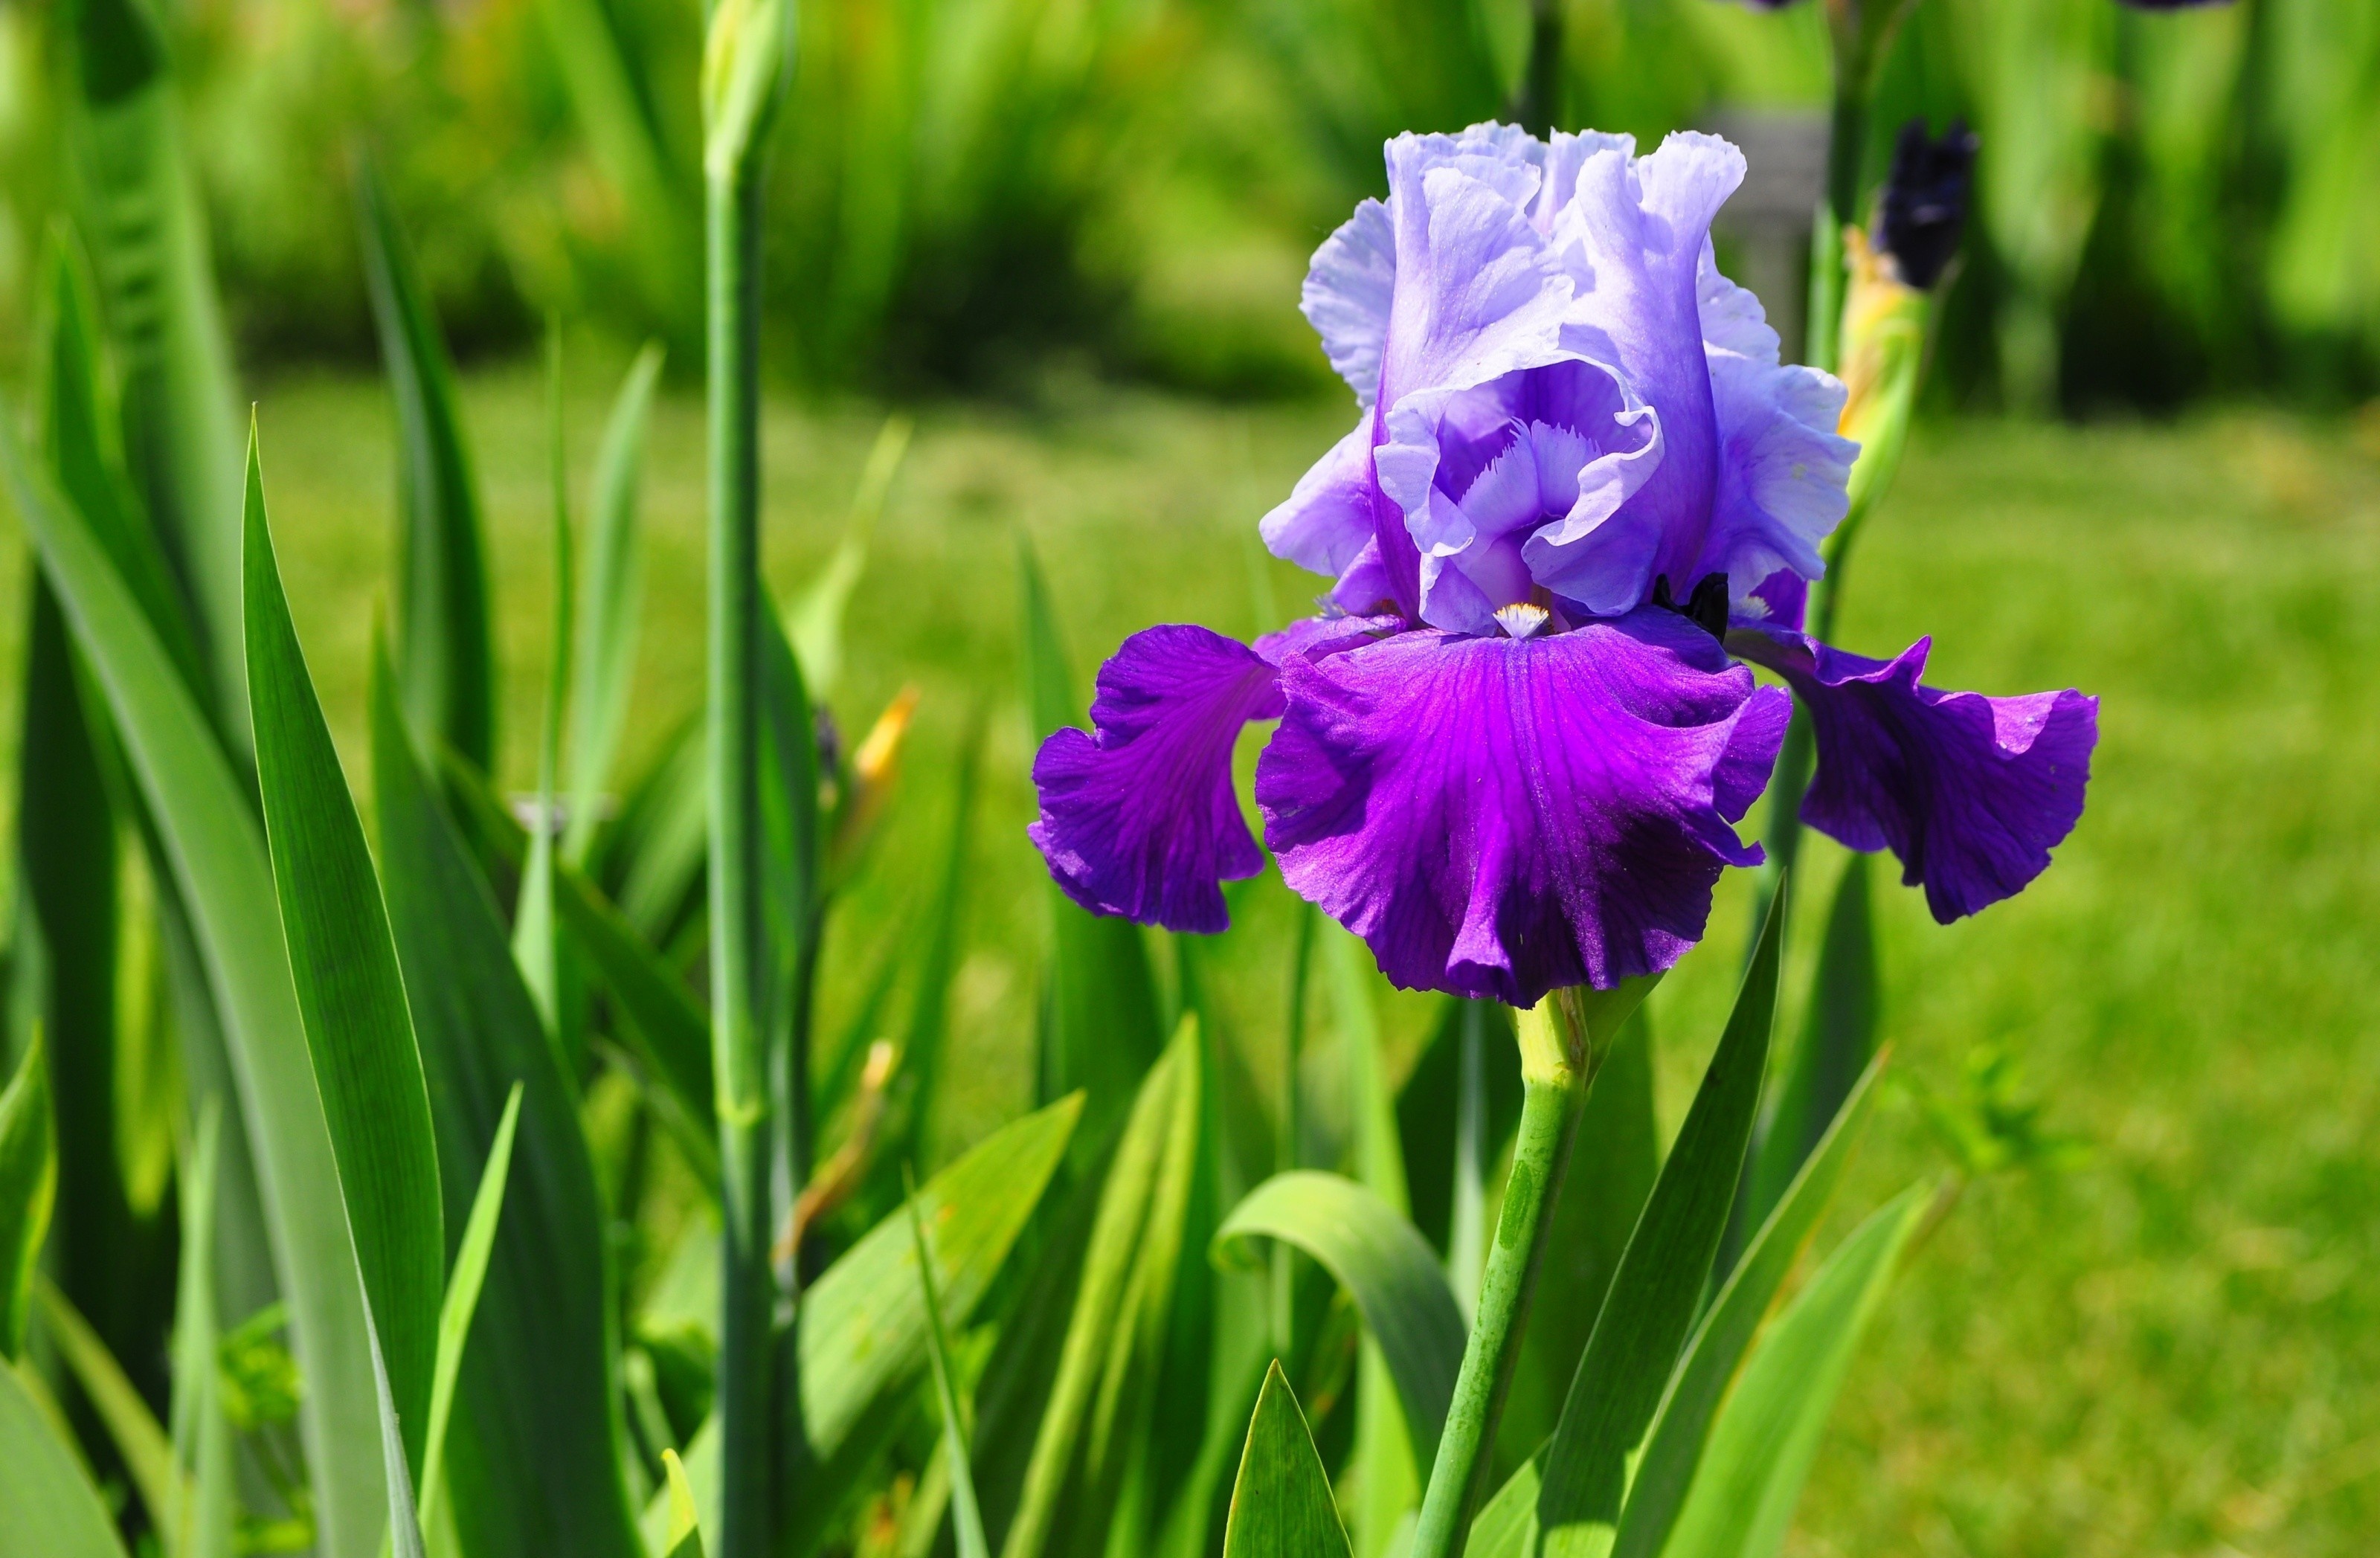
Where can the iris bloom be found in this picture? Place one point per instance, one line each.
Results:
(1583, 490)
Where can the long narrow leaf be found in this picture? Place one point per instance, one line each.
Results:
(350, 993)
(404, 1521)
(445, 645)
(1389, 1269)
(1766, 1435)
(612, 601)
(1651, 1304)
(1838, 1040)
(966, 1517)
(814, 622)
(28, 1186)
(216, 852)
(863, 1330)
(202, 1435)
(534, 946)
(156, 281)
(47, 1503)
(1675, 1445)
(462, 1301)
(1281, 1506)
(138, 1438)
(531, 1465)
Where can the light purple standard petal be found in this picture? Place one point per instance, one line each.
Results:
(1501, 817)
(1970, 792)
(1139, 820)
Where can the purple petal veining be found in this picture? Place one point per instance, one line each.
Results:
(1499, 817)
(1970, 792)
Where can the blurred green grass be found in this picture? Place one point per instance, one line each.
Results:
(2170, 1346)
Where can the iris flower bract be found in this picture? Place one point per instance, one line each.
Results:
(1582, 490)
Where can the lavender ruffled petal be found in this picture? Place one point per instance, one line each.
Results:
(1970, 792)
(1139, 820)
(1499, 817)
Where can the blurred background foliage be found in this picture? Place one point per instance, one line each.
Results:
(2170, 206)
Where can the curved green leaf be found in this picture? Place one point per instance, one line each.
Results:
(1651, 1304)
(444, 645)
(1838, 1040)
(148, 1455)
(216, 852)
(1766, 1435)
(1390, 1269)
(1282, 1506)
(967, 1518)
(814, 621)
(29, 1184)
(47, 1503)
(349, 992)
(531, 1466)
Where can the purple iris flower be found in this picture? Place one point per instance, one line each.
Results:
(1583, 489)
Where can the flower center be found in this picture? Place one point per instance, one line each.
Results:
(1706, 606)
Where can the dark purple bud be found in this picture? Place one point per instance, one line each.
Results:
(1926, 199)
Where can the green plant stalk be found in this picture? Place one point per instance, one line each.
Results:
(1558, 1061)
(740, 939)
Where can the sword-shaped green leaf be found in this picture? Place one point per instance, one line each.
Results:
(212, 843)
(1282, 1506)
(612, 598)
(531, 1465)
(350, 993)
(462, 1301)
(1650, 1308)
(1766, 1435)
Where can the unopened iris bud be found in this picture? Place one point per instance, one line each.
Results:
(1923, 207)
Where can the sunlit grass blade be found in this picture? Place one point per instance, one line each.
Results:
(863, 1330)
(1654, 1295)
(1282, 1506)
(966, 1517)
(350, 993)
(814, 620)
(212, 842)
(1765, 1436)
(655, 857)
(47, 1503)
(139, 1439)
(1103, 1003)
(1673, 1445)
(462, 1301)
(1103, 1316)
(1838, 1040)
(530, 1461)
(142, 215)
(534, 945)
(1389, 1269)
(927, 1036)
(444, 642)
(612, 601)
(683, 1536)
(404, 1520)
(28, 1185)
(201, 1434)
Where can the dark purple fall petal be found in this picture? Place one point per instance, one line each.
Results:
(1139, 820)
(1970, 792)
(1500, 817)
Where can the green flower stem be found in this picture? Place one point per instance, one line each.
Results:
(1563, 1039)
(739, 944)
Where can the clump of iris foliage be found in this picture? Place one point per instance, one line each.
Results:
(1582, 497)
(2174, 206)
